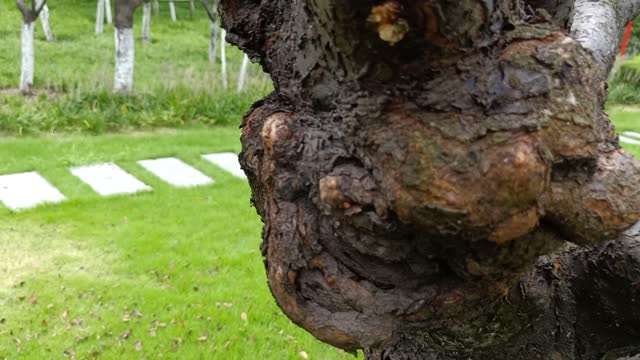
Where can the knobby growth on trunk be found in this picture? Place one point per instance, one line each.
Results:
(125, 46)
(438, 179)
(29, 16)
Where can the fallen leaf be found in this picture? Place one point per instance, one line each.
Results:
(126, 318)
(138, 345)
(203, 338)
(65, 314)
(303, 355)
(152, 332)
(136, 314)
(33, 299)
(50, 306)
(126, 334)
(243, 316)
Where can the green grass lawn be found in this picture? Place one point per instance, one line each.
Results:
(175, 85)
(165, 274)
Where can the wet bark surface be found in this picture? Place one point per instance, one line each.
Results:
(438, 179)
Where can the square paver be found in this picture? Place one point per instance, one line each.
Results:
(176, 172)
(27, 190)
(628, 140)
(228, 162)
(632, 134)
(109, 179)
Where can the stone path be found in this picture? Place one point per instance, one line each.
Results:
(630, 137)
(30, 189)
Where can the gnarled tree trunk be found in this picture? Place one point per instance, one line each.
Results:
(438, 179)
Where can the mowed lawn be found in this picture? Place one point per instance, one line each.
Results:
(172, 273)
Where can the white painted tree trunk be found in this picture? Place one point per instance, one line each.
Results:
(100, 17)
(44, 20)
(192, 7)
(146, 23)
(107, 9)
(243, 73)
(125, 60)
(172, 8)
(156, 7)
(213, 45)
(223, 58)
(28, 57)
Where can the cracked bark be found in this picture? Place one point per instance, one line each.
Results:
(438, 179)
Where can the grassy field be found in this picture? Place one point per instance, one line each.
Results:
(174, 273)
(175, 85)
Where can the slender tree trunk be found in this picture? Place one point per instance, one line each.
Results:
(172, 9)
(192, 8)
(146, 23)
(223, 59)
(156, 7)
(438, 179)
(28, 57)
(100, 17)
(213, 43)
(46, 26)
(125, 60)
(243, 73)
(107, 11)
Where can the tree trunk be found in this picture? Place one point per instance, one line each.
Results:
(28, 57)
(156, 7)
(243, 73)
(46, 26)
(107, 11)
(223, 59)
(125, 60)
(192, 8)
(146, 23)
(100, 17)
(213, 48)
(438, 179)
(172, 9)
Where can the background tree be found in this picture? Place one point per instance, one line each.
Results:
(213, 43)
(438, 179)
(146, 22)
(44, 20)
(125, 46)
(29, 16)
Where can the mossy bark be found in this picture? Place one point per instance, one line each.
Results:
(424, 169)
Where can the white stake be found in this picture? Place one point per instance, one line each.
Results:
(172, 8)
(100, 17)
(146, 23)
(44, 20)
(223, 58)
(107, 9)
(243, 73)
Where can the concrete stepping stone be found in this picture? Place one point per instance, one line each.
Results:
(27, 190)
(628, 140)
(176, 172)
(228, 162)
(109, 179)
(632, 134)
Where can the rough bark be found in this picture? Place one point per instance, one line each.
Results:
(124, 45)
(438, 179)
(146, 22)
(29, 16)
